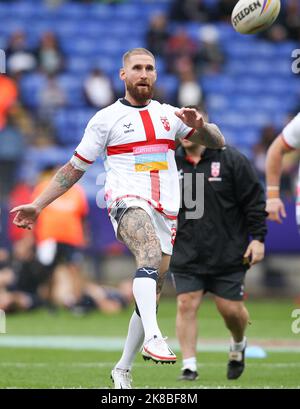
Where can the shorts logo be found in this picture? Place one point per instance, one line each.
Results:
(165, 123)
(173, 235)
(215, 169)
(118, 210)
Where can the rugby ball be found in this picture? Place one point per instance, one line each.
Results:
(253, 16)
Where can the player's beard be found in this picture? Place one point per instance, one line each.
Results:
(140, 94)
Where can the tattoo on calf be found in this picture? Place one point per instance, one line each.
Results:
(138, 233)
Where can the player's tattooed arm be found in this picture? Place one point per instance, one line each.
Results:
(26, 215)
(205, 133)
(137, 232)
(67, 176)
(209, 135)
(63, 180)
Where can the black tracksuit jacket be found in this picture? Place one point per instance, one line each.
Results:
(234, 210)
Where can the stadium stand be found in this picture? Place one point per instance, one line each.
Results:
(242, 98)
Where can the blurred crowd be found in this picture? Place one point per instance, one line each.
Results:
(46, 267)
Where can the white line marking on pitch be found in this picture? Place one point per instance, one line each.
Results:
(111, 364)
(108, 343)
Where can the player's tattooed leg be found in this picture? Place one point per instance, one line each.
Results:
(138, 233)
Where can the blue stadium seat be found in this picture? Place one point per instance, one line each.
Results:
(248, 93)
(67, 30)
(72, 11)
(284, 50)
(13, 24)
(78, 65)
(193, 30)
(128, 12)
(72, 86)
(71, 123)
(30, 88)
(100, 12)
(108, 64)
(47, 156)
(217, 83)
(243, 47)
(218, 101)
(81, 47)
(169, 84)
(227, 35)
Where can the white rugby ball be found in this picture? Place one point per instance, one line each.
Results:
(252, 16)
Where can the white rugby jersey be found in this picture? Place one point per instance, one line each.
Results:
(291, 137)
(137, 145)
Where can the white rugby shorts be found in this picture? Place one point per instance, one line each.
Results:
(165, 228)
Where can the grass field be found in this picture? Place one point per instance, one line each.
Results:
(60, 350)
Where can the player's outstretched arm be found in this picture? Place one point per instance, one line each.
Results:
(62, 181)
(206, 134)
(275, 206)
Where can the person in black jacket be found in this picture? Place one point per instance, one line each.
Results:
(213, 252)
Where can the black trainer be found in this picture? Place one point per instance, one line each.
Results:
(236, 364)
(188, 375)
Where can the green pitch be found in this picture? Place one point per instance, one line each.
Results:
(60, 350)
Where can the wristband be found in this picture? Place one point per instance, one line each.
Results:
(272, 192)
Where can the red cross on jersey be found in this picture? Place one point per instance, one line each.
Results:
(137, 145)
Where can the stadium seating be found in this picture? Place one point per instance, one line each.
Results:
(244, 97)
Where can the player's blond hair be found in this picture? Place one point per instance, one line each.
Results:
(136, 51)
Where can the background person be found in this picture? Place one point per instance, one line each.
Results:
(212, 253)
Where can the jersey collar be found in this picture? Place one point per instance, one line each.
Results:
(125, 102)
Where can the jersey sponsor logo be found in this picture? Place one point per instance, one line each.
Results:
(166, 123)
(150, 157)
